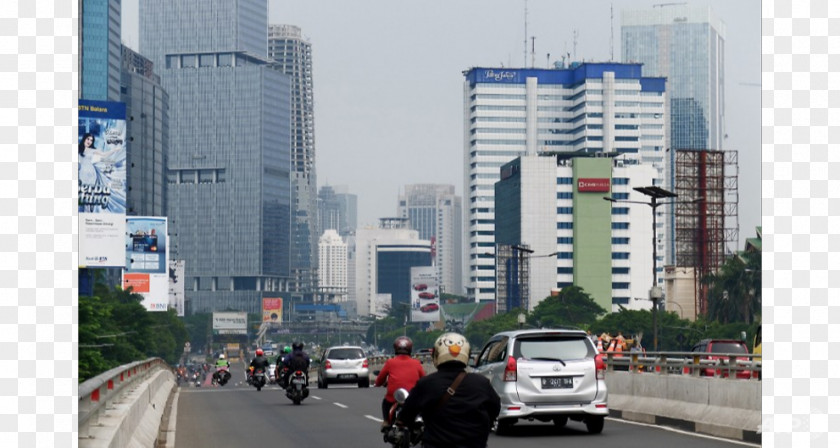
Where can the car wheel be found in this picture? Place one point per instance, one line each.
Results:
(320, 383)
(504, 426)
(595, 424)
(560, 421)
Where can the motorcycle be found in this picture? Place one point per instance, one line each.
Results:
(281, 376)
(297, 388)
(221, 376)
(257, 379)
(402, 436)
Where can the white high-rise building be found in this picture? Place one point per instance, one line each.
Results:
(332, 265)
(585, 108)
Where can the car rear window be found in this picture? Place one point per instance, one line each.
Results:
(728, 347)
(553, 347)
(345, 353)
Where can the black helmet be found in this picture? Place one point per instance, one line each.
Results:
(297, 346)
(403, 345)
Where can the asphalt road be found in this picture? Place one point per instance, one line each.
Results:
(349, 417)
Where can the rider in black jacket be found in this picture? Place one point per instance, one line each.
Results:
(466, 418)
(260, 362)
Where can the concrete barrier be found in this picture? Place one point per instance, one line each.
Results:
(715, 406)
(133, 420)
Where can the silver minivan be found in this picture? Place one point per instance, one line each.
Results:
(545, 374)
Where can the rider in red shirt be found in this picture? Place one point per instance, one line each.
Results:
(401, 371)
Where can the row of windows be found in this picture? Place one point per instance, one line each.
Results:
(204, 176)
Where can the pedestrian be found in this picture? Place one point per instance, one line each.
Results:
(458, 408)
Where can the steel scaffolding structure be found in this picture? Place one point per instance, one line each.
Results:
(703, 230)
(513, 269)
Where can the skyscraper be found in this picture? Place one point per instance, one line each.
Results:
(293, 56)
(228, 179)
(585, 108)
(100, 50)
(336, 210)
(147, 127)
(332, 266)
(435, 212)
(685, 44)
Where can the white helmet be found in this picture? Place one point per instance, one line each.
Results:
(222, 356)
(451, 347)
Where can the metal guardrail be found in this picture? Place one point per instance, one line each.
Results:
(686, 363)
(101, 392)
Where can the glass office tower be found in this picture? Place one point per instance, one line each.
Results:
(228, 178)
(100, 50)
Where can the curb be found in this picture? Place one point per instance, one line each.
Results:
(690, 426)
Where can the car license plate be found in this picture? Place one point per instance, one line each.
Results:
(347, 375)
(557, 382)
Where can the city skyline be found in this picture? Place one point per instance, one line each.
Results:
(388, 82)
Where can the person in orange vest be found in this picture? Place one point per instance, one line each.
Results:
(603, 339)
(616, 346)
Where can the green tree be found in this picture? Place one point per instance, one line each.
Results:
(571, 307)
(478, 332)
(735, 289)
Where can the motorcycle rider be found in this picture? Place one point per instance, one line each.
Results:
(278, 366)
(465, 417)
(296, 360)
(221, 364)
(260, 362)
(401, 371)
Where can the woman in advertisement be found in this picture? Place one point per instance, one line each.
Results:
(96, 176)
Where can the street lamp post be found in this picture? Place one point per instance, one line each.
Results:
(655, 193)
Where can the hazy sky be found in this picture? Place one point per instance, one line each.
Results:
(389, 85)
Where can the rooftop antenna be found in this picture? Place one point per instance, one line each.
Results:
(612, 30)
(525, 42)
(548, 60)
(574, 43)
(532, 50)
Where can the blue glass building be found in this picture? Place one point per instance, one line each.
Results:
(100, 50)
(229, 160)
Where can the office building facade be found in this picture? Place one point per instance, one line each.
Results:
(435, 212)
(100, 49)
(147, 131)
(585, 108)
(292, 54)
(228, 175)
(332, 266)
(337, 209)
(551, 211)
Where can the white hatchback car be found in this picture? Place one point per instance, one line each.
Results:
(343, 364)
(546, 374)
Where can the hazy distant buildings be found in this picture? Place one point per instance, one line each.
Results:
(380, 262)
(435, 212)
(100, 49)
(337, 209)
(293, 56)
(553, 206)
(229, 160)
(332, 266)
(587, 108)
(147, 127)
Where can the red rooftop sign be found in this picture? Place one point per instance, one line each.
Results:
(593, 185)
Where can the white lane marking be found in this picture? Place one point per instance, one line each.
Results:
(688, 433)
(340, 405)
(316, 397)
(378, 420)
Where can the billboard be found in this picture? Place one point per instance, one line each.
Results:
(230, 323)
(153, 288)
(145, 244)
(176, 286)
(101, 183)
(273, 310)
(425, 297)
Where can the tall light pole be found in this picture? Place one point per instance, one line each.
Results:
(655, 193)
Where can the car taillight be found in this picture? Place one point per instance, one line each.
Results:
(510, 369)
(327, 365)
(365, 364)
(600, 367)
